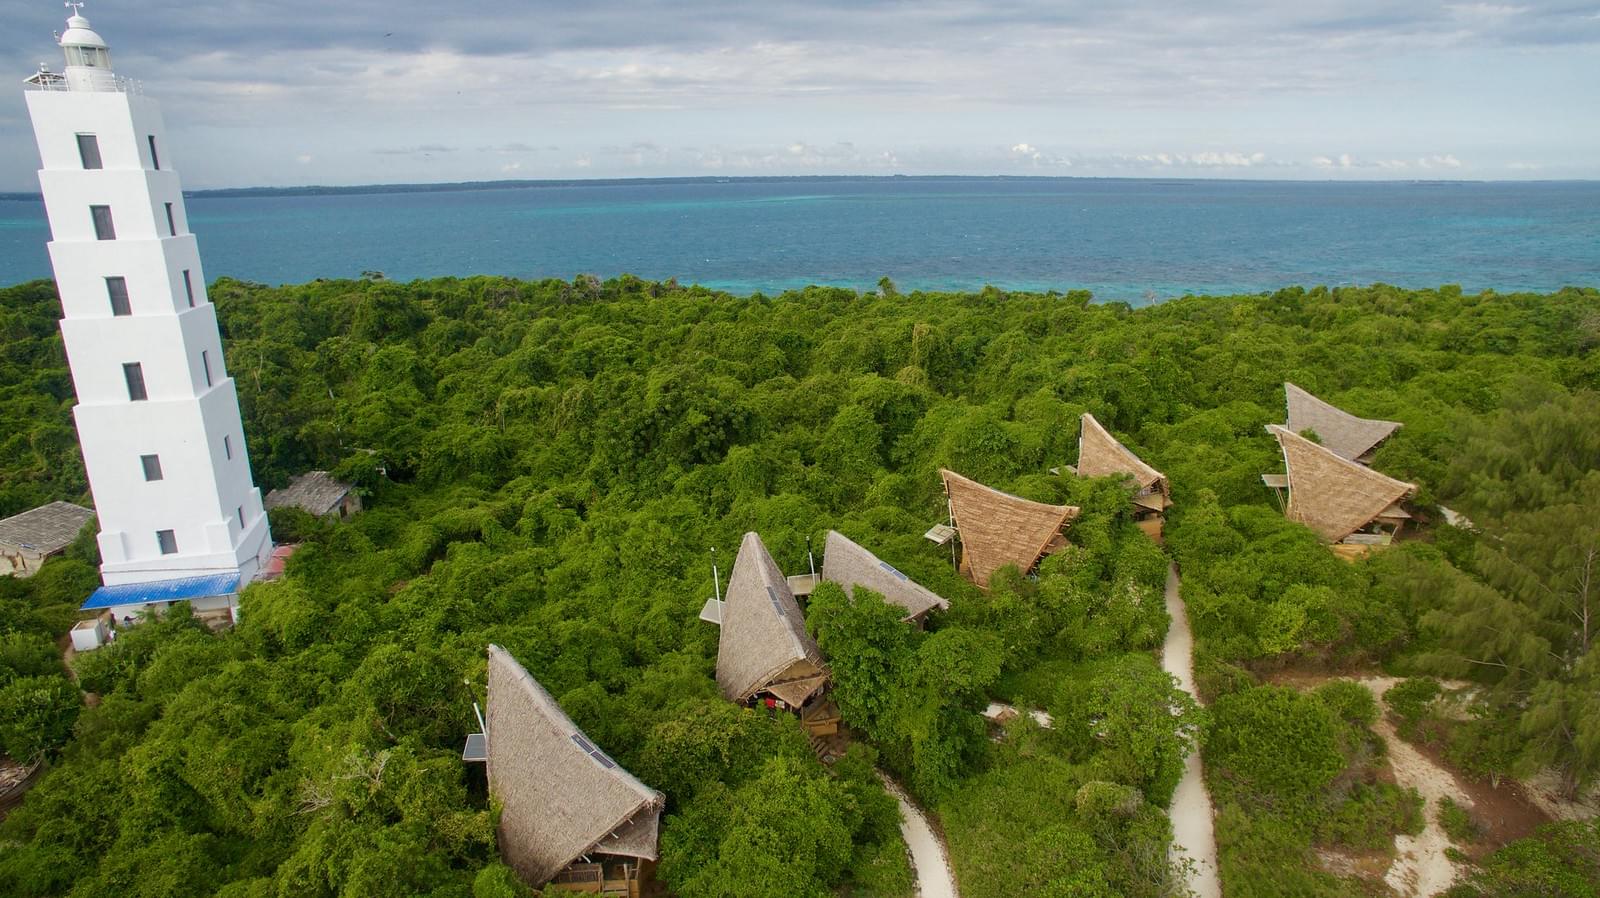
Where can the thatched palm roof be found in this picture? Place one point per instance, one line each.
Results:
(849, 565)
(561, 797)
(1101, 455)
(998, 528)
(1332, 495)
(764, 645)
(1343, 433)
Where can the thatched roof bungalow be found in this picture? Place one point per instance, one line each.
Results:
(764, 646)
(849, 565)
(1102, 455)
(563, 801)
(1335, 496)
(1347, 436)
(998, 528)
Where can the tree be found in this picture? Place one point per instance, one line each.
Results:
(36, 715)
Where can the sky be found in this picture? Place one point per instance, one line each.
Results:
(337, 92)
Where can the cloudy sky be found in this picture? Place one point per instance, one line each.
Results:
(370, 91)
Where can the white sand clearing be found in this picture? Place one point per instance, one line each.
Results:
(1193, 838)
(1421, 868)
(928, 858)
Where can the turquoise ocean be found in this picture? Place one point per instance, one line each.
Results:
(1134, 240)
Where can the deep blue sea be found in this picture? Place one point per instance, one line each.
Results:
(1123, 239)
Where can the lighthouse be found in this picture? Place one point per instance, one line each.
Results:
(158, 418)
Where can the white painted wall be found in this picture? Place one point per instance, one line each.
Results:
(184, 420)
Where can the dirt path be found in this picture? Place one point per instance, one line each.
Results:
(929, 860)
(1193, 836)
(1421, 868)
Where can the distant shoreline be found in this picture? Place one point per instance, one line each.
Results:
(534, 184)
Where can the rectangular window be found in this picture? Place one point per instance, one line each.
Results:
(133, 373)
(117, 288)
(103, 227)
(89, 151)
(172, 221)
(227, 447)
(205, 365)
(168, 542)
(155, 158)
(240, 512)
(152, 466)
(188, 286)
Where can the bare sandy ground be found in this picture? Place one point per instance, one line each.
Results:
(1193, 836)
(928, 857)
(1421, 868)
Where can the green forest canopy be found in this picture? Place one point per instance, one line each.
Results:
(547, 464)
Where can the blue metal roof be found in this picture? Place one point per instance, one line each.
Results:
(162, 591)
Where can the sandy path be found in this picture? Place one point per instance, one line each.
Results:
(1193, 837)
(928, 858)
(1421, 868)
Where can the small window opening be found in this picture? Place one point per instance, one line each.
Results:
(117, 289)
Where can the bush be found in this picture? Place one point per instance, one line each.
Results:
(1371, 816)
(1410, 700)
(1457, 822)
(36, 715)
(1276, 741)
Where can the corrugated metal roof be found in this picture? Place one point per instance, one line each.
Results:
(162, 591)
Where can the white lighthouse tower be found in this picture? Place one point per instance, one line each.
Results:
(158, 418)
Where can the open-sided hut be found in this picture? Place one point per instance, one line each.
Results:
(1342, 433)
(1337, 497)
(998, 528)
(764, 650)
(1102, 455)
(570, 815)
(849, 565)
(29, 538)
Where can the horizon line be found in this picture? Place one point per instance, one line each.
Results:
(524, 183)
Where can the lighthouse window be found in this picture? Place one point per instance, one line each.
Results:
(104, 229)
(205, 365)
(89, 151)
(240, 512)
(117, 288)
(92, 57)
(168, 541)
(227, 447)
(133, 373)
(172, 222)
(152, 466)
(155, 158)
(188, 286)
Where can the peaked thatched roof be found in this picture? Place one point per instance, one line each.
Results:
(46, 529)
(1332, 495)
(849, 565)
(764, 639)
(1343, 433)
(1101, 455)
(998, 528)
(314, 491)
(561, 797)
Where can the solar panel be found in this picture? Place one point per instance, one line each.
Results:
(582, 742)
(776, 604)
(890, 568)
(477, 748)
(600, 756)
